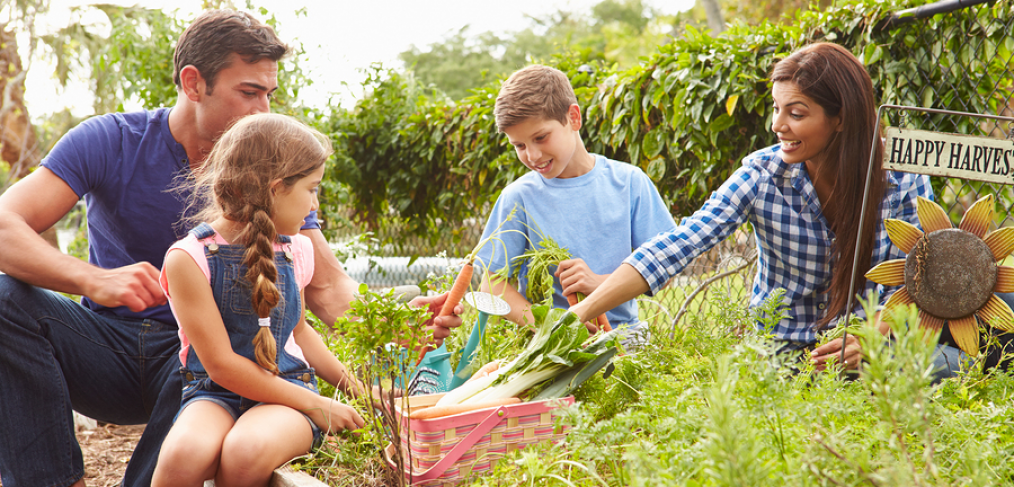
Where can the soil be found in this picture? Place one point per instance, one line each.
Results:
(106, 450)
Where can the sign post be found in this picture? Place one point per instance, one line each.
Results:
(936, 154)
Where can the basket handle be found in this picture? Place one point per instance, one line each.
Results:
(464, 445)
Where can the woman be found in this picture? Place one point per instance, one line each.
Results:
(804, 198)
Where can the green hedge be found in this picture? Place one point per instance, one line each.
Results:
(687, 115)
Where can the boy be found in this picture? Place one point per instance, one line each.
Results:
(596, 208)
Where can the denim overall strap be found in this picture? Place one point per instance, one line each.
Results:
(233, 295)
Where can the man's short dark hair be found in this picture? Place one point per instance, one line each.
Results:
(215, 35)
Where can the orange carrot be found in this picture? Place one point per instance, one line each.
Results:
(572, 299)
(603, 323)
(485, 370)
(441, 411)
(458, 289)
(454, 297)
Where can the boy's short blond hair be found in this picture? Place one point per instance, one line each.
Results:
(534, 92)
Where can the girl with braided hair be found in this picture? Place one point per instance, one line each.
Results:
(250, 361)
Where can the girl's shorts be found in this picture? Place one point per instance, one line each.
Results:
(199, 387)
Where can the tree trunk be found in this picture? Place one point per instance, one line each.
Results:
(714, 13)
(19, 147)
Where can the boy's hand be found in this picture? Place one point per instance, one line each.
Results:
(576, 277)
(439, 326)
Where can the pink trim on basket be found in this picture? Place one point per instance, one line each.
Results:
(460, 438)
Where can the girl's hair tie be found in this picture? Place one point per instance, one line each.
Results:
(264, 321)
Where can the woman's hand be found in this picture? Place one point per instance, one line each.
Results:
(332, 416)
(823, 354)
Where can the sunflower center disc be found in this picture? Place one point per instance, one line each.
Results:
(950, 273)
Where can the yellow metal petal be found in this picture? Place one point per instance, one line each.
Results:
(1004, 279)
(979, 216)
(899, 298)
(930, 322)
(931, 216)
(1001, 242)
(888, 273)
(903, 234)
(997, 313)
(966, 332)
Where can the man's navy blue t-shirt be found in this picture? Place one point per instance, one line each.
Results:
(128, 168)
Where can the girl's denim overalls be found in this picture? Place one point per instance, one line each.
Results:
(232, 293)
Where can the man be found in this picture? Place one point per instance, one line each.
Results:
(114, 358)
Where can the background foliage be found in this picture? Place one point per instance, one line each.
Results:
(687, 115)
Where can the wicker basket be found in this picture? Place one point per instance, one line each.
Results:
(444, 451)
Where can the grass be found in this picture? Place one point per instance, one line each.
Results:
(712, 405)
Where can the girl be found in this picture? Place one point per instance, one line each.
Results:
(250, 400)
(804, 198)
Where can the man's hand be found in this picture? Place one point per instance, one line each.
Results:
(821, 355)
(576, 277)
(440, 326)
(134, 286)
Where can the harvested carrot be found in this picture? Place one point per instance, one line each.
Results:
(603, 323)
(454, 297)
(572, 299)
(485, 370)
(441, 411)
(458, 289)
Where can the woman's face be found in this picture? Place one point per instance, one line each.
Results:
(801, 124)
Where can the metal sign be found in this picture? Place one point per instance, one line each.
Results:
(949, 155)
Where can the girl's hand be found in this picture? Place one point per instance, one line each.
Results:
(576, 277)
(821, 355)
(332, 416)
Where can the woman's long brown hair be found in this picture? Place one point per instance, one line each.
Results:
(235, 183)
(832, 77)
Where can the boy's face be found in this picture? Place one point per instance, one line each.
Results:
(548, 146)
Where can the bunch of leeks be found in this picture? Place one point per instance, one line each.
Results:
(561, 343)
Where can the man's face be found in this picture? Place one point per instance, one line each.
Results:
(240, 89)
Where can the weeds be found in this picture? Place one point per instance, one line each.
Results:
(713, 404)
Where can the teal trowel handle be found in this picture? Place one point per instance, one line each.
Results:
(468, 353)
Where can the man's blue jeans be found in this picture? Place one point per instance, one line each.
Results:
(55, 356)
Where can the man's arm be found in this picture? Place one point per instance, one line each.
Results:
(331, 289)
(36, 203)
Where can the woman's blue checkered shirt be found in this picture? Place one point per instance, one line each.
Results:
(792, 236)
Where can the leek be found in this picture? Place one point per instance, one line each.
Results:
(559, 345)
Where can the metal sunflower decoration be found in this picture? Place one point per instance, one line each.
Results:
(951, 274)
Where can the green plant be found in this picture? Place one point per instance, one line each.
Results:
(381, 331)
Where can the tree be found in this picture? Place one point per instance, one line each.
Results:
(19, 146)
(616, 32)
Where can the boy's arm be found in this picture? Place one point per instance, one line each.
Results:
(521, 309)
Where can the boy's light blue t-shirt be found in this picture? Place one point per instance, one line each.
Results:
(600, 217)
